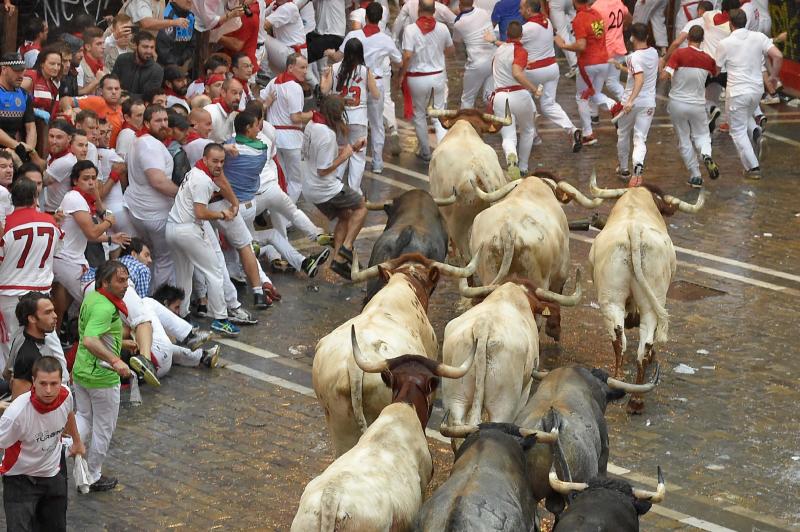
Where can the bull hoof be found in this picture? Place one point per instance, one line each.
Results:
(635, 406)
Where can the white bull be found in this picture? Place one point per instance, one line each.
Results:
(394, 322)
(632, 262)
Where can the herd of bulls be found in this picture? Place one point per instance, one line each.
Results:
(375, 375)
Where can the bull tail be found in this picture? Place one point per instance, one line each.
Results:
(662, 318)
(480, 365)
(329, 508)
(356, 377)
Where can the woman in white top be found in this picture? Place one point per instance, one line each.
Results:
(352, 80)
(80, 227)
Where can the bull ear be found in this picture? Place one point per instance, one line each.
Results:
(642, 507)
(555, 503)
(388, 207)
(433, 384)
(387, 378)
(384, 273)
(446, 121)
(433, 276)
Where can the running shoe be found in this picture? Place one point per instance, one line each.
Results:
(711, 166)
(240, 316)
(311, 264)
(377, 168)
(616, 113)
(624, 175)
(713, 115)
(341, 268)
(210, 358)
(595, 119)
(201, 311)
(325, 239)
(576, 141)
(394, 144)
(145, 369)
(758, 143)
(696, 182)
(513, 167)
(225, 328)
(589, 140)
(425, 156)
(761, 120)
(571, 73)
(346, 254)
(753, 173)
(261, 301)
(279, 266)
(196, 339)
(104, 483)
(771, 99)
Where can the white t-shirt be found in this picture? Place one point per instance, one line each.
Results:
(197, 187)
(486, 5)
(74, 240)
(360, 15)
(320, 150)
(689, 68)
(356, 91)
(107, 158)
(269, 174)
(714, 31)
(125, 141)
(379, 51)
(143, 201)
(741, 54)
(538, 41)
(689, 25)
(470, 27)
(38, 436)
(428, 49)
(409, 14)
(194, 149)
(288, 100)
(331, 17)
(34, 250)
(222, 128)
(58, 173)
(5, 204)
(287, 25)
(753, 15)
(307, 15)
(505, 57)
(646, 62)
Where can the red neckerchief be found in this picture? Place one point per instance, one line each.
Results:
(117, 302)
(364, 3)
(721, 18)
(55, 156)
(94, 64)
(285, 77)
(318, 118)
(167, 141)
(44, 408)
(139, 132)
(370, 30)
(539, 19)
(201, 164)
(169, 91)
(426, 24)
(90, 199)
(224, 105)
(191, 137)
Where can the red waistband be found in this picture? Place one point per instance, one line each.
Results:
(510, 88)
(541, 63)
(420, 74)
(298, 128)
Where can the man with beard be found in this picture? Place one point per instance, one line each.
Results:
(175, 84)
(138, 70)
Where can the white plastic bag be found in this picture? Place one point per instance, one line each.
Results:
(81, 474)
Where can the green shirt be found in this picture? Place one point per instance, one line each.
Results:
(99, 318)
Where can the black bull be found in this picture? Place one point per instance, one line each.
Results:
(414, 226)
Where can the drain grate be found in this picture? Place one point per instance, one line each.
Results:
(688, 291)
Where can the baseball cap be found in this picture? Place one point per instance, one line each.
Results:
(173, 72)
(13, 60)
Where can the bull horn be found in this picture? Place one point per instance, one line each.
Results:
(452, 372)
(605, 193)
(456, 271)
(564, 301)
(449, 200)
(539, 375)
(475, 291)
(494, 118)
(635, 388)
(653, 496)
(687, 207)
(359, 276)
(565, 488)
(365, 365)
(497, 195)
(579, 197)
(373, 206)
(457, 431)
(541, 436)
(438, 113)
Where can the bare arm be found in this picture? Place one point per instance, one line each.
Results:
(71, 429)
(161, 182)
(91, 88)
(345, 152)
(19, 386)
(93, 231)
(407, 55)
(31, 138)
(7, 141)
(326, 83)
(774, 63)
(202, 212)
(638, 83)
(300, 118)
(155, 24)
(578, 46)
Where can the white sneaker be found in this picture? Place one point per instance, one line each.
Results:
(241, 317)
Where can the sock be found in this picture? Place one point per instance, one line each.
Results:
(258, 290)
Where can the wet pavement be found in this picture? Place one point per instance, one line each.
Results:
(233, 448)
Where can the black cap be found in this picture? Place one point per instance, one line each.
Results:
(179, 121)
(173, 72)
(13, 60)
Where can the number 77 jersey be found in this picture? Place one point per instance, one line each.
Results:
(26, 252)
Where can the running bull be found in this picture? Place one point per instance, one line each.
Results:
(378, 484)
(392, 323)
(632, 262)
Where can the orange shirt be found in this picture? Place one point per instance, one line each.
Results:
(588, 24)
(103, 110)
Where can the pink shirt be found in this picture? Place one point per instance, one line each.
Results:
(613, 13)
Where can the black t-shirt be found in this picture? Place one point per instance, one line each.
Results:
(16, 110)
(28, 354)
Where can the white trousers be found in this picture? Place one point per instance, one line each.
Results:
(193, 249)
(561, 14)
(282, 209)
(96, 415)
(200, 289)
(377, 129)
(523, 112)
(290, 162)
(613, 84)
(358, 161)
(52, 345)
(740, 115)
(548, 106)
(421, 87)
(637, 122)
(652, 11)
(691, 127)
(476, 77)
(174, 325)
(388, 105)
(68, 274)
(153, 232)
(597, 77)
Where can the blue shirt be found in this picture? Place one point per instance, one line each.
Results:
(244, 170)
(138, 273)
(504, 12)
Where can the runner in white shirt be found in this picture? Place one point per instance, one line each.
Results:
(283, 97)
(561, 13)
(223, 111)
(742, 54)
(652, 12)
(753, 14)
(469, 27)
(133, 114)
(716, 27)
(689, 69)
(542, 69)
(190, 236)
(638, 103)
(687, 11)
(380, 52)
(288, 24)
(698, 8)
(110, 178)
(764, 17)
(151, 192)
(512, 87)
(409, 14)
(354, 82)
(425, 44)
(59, 163)
(358, 16)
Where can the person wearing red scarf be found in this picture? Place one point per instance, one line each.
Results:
(34, 481)
(91, 69)
(425, 44)
(223, 111)
(542, 70)
(132, 126)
